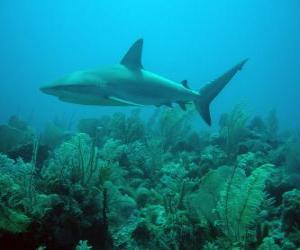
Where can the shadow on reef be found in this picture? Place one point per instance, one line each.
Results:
(119, 182)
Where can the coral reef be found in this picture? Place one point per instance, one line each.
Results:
(123, 182)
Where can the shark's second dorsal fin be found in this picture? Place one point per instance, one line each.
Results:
(133, 57)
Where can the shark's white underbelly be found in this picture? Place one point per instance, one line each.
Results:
(151, 92)
(162, 96)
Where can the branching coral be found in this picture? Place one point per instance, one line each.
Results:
(149, 187)
(232, 129)
(269, 244)
(11, 218)
(127, 129)
(292, 154)
(272, 125)
(52, 135)
(231, 200)
(21, 175)
(14, 134)
(240, 201)
(172, 126)
(291, 214)
(209, 191)
(75, 160)
(83, 245)
(20, 202)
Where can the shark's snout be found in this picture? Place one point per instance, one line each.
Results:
(50, 90)
(45, 90)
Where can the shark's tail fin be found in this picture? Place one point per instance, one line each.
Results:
(212, 89)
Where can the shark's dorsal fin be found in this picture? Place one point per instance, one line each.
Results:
(185, 84)
(133, 57)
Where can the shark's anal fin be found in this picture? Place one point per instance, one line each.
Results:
(129, 103)
(133, 57)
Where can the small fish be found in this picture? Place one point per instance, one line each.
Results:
(129, 84)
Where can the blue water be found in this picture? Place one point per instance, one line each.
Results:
(196, 40)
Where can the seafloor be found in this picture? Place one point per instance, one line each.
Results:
(123, 182)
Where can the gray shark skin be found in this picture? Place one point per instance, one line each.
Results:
(129, 84)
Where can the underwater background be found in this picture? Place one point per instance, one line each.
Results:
(91, 177)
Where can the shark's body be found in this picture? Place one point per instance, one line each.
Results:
(129, 84)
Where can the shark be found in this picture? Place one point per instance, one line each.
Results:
(128, 83)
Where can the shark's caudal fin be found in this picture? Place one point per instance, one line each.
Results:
(211, 90)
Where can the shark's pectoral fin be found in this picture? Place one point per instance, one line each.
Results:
(133, 57)
(182, 105)
(167, 104)
(124, 102)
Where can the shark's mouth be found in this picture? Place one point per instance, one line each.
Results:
(78, 88)
(57, 90)
(91, 100)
